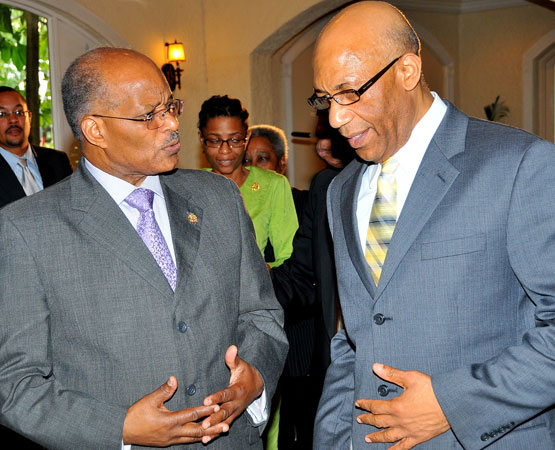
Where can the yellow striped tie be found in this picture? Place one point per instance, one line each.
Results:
(382, 219)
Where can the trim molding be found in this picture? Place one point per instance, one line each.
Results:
(457, 6)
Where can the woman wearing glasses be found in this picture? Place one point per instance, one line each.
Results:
(223, 131)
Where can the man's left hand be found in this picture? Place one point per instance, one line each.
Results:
(409, 419)
(245, 385)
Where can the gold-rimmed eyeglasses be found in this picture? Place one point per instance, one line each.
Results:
(154, 119)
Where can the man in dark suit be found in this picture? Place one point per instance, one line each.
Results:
(150, 278)
(24, 168)
(444, 242)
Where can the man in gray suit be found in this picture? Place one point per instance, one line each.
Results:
(149, 277)
(444, 239)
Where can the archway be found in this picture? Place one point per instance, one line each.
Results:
(72, 30)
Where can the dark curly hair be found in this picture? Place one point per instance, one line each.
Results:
(222, 106)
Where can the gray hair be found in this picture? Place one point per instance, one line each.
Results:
(83, 85)
(275, 135)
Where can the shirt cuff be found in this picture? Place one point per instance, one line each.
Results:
(257, 410)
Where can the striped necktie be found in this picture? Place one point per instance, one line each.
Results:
(382, 219)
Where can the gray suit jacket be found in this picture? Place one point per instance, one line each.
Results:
(467, 292)
(89, 323)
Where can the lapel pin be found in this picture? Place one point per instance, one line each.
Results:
(192, 218)
(255, 187)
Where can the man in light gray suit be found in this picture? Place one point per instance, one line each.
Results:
(444, 238)
(148, 277)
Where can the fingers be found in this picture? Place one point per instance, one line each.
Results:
(231, 359)
(165, 392)
(391, 374)
(375, 406)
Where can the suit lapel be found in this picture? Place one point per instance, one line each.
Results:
(9, 182)
(186, 224)
(46, 172)
(104, 222)
(433, 179)
(349, 198)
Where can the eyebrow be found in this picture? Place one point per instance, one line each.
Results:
(338, 88)
(152, 108)
(18, 105)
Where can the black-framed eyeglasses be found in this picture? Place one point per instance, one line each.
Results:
(234, 142)
(18, 114)
(348, 96)
(154, 119)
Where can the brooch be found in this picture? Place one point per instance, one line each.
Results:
(192, 218)
(255, 187)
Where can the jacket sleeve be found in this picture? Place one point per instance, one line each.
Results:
(485, 400)
(262, 342)
(34, 401)
(283, 221)
(334, 419)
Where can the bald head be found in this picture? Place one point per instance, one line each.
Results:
(91, 78)
(371, 44)
(376, 28)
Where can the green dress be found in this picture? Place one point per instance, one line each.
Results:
(269, 202)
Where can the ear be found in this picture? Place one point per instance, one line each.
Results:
(410, 70)
(93, 131)
(282, 165)
(30, 117)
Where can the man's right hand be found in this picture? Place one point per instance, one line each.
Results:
(148, 422)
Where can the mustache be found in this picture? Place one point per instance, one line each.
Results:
(14, 126)
(174, 136)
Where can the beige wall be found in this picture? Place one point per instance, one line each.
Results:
(220, 37)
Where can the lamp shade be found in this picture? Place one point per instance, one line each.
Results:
(176, 52)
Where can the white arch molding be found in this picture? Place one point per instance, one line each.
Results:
(72, 30)
(532, 114)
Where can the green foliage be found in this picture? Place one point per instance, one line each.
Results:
(13, 62)
(496, 110)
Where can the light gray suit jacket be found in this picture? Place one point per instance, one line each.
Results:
(467, 293)
(89, 323)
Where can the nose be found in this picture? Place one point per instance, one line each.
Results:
(171, 122)
(339, 115)
(12, 118)
(225, 148)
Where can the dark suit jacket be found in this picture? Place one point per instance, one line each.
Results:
(306, 286)
(53, 166)
(96, 325)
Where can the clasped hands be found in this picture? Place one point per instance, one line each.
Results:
(413, 417)
(148, 422)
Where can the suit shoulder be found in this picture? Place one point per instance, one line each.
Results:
(50, 152)
(201, 183)
(497, 135)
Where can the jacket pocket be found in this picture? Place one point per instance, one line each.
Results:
(454, 247)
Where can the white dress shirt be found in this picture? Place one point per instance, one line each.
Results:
(409, 157)
(119, 189)
(13, 161)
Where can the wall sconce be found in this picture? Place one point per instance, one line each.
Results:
(176, 53)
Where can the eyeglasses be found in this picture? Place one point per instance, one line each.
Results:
(19, 114)
(155, 119)
(348, 96)
(233, 142)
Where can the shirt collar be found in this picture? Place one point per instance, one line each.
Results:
(412, 152)
(120, 189)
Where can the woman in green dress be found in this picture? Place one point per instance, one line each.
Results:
(223, 132)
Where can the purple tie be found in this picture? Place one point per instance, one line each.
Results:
(147, 227)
